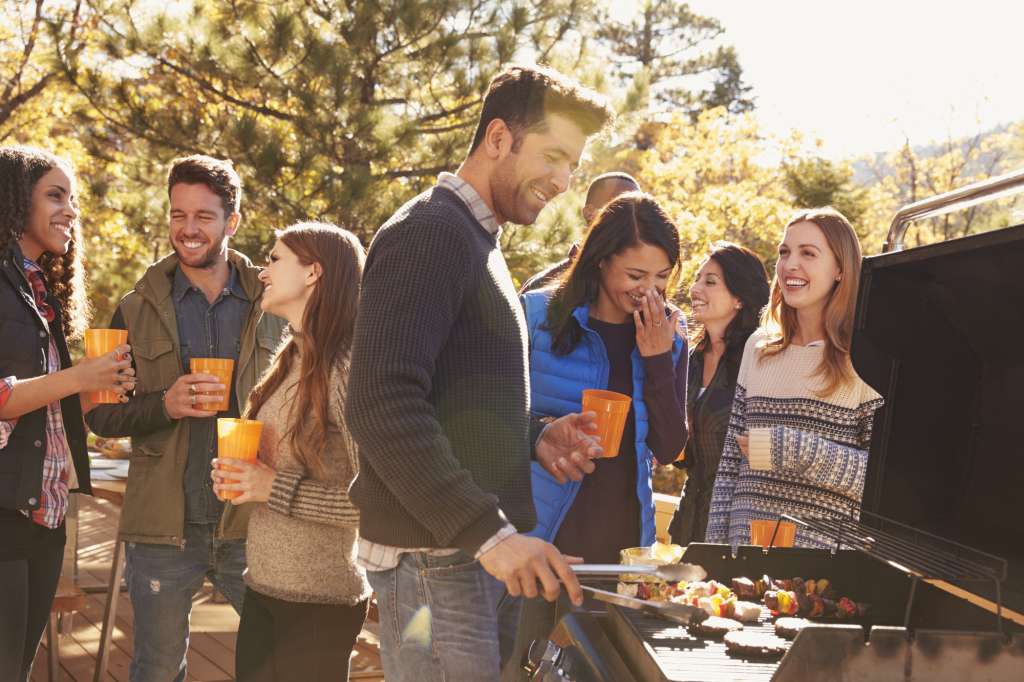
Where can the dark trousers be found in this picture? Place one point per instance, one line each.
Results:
(282, 641)
(27, 586)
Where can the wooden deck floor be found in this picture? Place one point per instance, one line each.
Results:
(211, 653)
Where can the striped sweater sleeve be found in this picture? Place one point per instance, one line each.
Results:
(294, 494)
(828, 464)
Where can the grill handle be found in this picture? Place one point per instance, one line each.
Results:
(979, 192)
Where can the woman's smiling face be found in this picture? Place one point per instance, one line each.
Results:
(628, 275)
(807, 268)
(52, 216)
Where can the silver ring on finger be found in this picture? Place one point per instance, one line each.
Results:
(192, 399)
(192, 391)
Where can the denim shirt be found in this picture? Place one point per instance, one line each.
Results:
(207, 331)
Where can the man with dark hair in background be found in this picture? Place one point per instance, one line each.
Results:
(202, 301)
(439, 392)
(602, 190)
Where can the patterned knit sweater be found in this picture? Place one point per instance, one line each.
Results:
(808, 454)
(302, 543)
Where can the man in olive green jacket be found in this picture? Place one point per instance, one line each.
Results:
(202, 301)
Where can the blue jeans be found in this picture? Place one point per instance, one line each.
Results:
(162, 579)
(438, 619)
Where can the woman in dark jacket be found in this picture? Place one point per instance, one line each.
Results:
(727, 296)
(42, 436)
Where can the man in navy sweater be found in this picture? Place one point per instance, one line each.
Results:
(439, 392)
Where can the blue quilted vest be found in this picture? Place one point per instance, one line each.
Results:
(556, 389)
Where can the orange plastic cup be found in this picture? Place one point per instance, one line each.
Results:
(222, 368)
(612, 409)
(761, 531)
(100, 342)
(236, 439)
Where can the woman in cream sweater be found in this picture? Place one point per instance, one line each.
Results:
(306, 598)
(801, 420)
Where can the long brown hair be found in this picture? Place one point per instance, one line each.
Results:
(20, 169)
(780, 320)
(328, 323)
(626, 221)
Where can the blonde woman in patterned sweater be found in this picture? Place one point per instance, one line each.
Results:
(801, 419)
(306, 599)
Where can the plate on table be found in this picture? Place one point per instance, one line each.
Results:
(101, 462)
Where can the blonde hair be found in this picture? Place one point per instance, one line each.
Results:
(780, 320)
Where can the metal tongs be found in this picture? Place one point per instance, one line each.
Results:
(671, 573)
(684, 614)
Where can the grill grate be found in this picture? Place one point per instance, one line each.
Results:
(682, 657)
(908, 549)
(919, 555)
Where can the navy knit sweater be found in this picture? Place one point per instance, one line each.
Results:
(439, 390)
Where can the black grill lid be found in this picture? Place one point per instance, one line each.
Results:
(940, 334)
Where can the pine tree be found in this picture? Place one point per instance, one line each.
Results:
(677, 54)
(331, 110)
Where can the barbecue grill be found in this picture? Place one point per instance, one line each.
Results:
(938, 550)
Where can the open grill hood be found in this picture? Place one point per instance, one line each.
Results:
(940, 334)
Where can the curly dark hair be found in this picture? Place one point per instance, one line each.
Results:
(20, 169)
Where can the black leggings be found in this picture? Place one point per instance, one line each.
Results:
(281, 641)
(28, 581)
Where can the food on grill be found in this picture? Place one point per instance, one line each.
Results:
(712, 597)
(781, 601)
(715, 626)
(757, 644)
(745, 588)
(657, 591)
(789, 627)
(792, 603)
(746, 611)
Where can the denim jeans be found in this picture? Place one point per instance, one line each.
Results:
(438, 619)
(162, 580)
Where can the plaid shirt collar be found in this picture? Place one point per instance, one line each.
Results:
(469, 196)
(34, 274)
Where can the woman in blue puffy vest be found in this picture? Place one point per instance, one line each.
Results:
(607, 325)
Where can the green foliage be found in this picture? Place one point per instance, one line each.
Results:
(343, 111)
(677, 54)
(331, 111)
(815, 182)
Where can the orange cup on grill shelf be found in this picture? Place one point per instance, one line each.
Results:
(236, 439)
(221, 368)
(612, 409)
(761, 531)
(100, 342)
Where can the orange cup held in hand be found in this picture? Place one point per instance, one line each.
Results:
(612, 409)
(100, 342)
(236, 439)
(761, 531)
(222, 368)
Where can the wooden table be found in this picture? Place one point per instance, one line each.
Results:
(113, 492)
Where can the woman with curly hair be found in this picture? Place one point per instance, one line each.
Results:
(42, 396)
